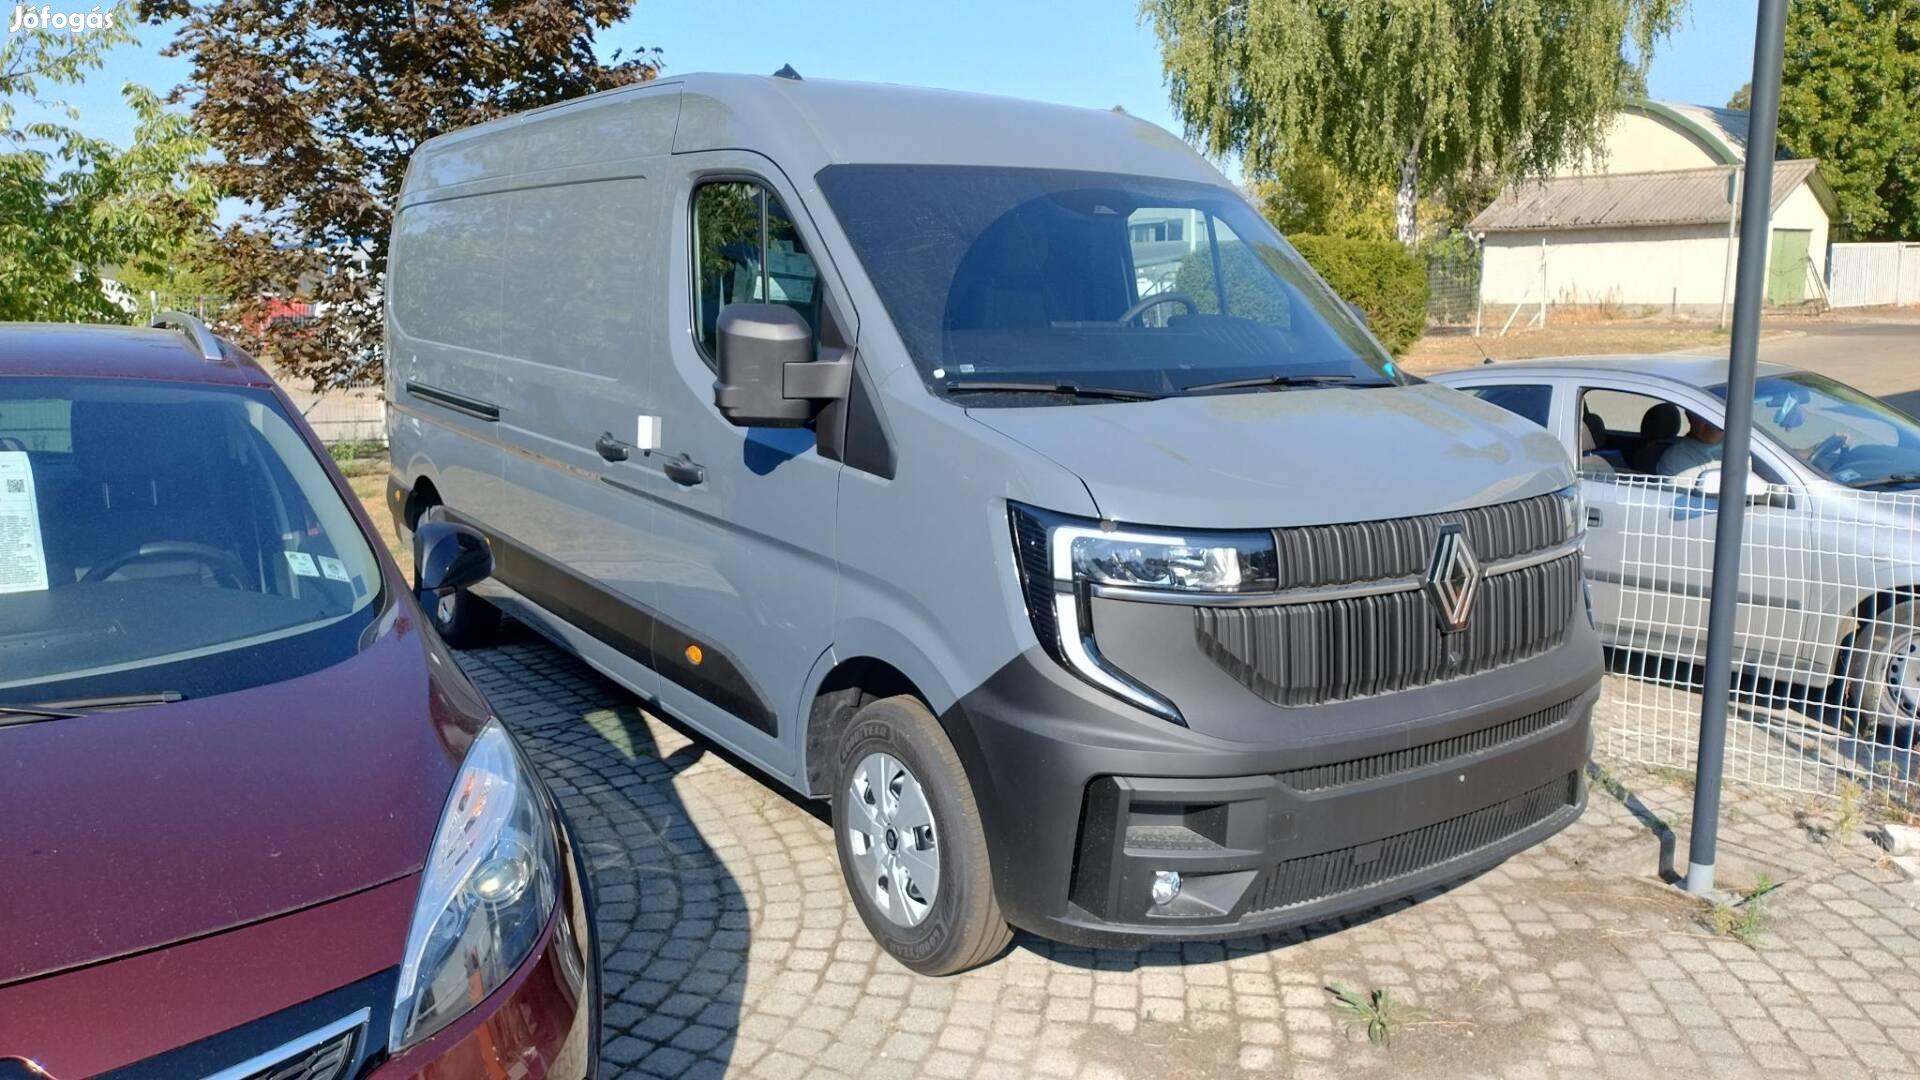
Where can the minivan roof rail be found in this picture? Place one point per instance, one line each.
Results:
(203, 340)
(786, 72)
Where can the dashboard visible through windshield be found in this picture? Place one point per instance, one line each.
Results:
(1019, 281)
(160, 539)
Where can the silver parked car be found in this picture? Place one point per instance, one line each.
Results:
(1829, 597)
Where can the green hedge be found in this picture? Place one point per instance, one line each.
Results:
(1381, 277)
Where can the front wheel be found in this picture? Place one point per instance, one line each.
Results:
(1883, 675)
(463, 620)
(910, 842)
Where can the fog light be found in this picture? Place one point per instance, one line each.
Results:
(1166, 886)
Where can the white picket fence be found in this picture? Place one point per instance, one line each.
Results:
(1874, 275)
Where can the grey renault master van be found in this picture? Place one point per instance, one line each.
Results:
(991, 470)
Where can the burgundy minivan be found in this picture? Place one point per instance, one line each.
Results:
(254, 822)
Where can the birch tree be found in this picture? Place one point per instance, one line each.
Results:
(1408, 92)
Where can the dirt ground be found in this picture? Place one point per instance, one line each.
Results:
(1446, 350)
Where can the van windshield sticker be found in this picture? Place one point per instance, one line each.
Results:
(302, 563)
(333, 569)
(23, 558)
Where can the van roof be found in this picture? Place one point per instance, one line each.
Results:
(126, 352)
(805, 125)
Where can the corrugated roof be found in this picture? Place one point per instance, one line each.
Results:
(1677, 197)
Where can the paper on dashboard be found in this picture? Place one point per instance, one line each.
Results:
(23, 558)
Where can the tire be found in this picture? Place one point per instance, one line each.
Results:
(959, 926)
(463, 620)
(1883, 675)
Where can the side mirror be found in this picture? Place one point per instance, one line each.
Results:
(1360, 313)
(1707, 485)
(768, 376)
(447, 556)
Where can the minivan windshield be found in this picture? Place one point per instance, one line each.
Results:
(1844, 434)
(167, 539)
(1100, 286)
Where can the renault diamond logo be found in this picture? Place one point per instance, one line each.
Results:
(1452, 578)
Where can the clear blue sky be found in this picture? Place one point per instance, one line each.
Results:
(1078, 52)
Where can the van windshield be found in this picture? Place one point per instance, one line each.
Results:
(1007, 278)
(161, 539)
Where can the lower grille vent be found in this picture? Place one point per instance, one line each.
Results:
(1329, 874)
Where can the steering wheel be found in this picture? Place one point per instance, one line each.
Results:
(226, 566)
(1827, 454)
(1154, 301)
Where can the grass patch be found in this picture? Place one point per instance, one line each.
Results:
(1377, 1012)
(1746, 918)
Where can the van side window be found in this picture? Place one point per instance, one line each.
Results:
(747, 250)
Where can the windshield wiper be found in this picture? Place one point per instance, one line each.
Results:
(73, 708)
(1116, 393)
(1889, 481)
(32, 714)
(1282, 380)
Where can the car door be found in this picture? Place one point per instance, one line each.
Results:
(746, 524)
(1650, 543)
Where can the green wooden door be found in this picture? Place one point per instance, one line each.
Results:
(1787, 272)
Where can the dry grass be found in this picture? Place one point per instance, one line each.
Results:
(370, 484)
(1448, 351)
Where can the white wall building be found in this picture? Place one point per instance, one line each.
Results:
(1646, 225)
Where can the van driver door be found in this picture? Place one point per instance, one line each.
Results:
(746, 516)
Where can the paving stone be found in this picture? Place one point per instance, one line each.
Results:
(730, 948)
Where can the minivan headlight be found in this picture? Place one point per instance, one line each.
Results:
(486, 894)
(1573, 507)
(1065, 560)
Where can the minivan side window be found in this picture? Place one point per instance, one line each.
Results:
(1529, 402)
(746, 250)
(1176, 251)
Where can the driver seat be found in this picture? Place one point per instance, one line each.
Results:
(1660, 428)
(149, 473)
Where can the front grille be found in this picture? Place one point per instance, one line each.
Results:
(1336, 650)
(326, 1061)
(1360, 770)
(1319, 555)
(1036, 576)
(1313, 878)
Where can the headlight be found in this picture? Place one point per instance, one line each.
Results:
(486, 894)
(1065, 560)
(1573, 508)
(1227, 563)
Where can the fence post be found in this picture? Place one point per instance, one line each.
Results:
(1769, 45)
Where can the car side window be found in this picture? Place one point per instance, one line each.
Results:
(747, 250)
(1529, 401)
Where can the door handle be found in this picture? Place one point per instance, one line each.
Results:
(611, 448)
(1593, 517)
(681, 470)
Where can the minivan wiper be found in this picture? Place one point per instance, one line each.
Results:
(77, 707)
(1282, 380)
(1117, 393)
(1889, 481)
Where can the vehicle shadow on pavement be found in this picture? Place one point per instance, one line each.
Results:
(672, 922)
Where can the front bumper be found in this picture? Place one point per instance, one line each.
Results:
(1084, 798)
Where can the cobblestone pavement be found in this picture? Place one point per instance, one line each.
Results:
(729, 946)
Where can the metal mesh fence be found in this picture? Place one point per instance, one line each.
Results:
(1826, 655)
(1453, 287)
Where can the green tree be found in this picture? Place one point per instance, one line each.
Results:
(1308, 194)
(1850, 96)
(73, 205)
(1742, 99)
(1410, 92)
(315, 107)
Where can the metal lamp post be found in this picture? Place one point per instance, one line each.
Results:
(1756, 217)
